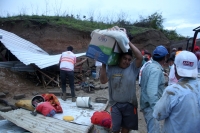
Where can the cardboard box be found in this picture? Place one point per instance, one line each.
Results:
(103, 49)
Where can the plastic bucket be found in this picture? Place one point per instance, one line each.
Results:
(83, 102)
(100, 129)
(36, 99)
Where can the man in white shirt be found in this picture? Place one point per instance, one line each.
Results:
(172, 77)
(67, 62)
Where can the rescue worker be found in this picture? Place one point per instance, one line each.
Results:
(179, 105)
(67, 63)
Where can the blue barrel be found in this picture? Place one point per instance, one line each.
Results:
(93, 74)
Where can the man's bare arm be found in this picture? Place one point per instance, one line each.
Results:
(137, 54)
(103, 76)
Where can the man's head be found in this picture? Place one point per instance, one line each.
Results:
(159, 54)
(147, 55)
(186, 64)
(174, 49)
(69, 48)
(180, 48)
(125, 59)
(170, 61)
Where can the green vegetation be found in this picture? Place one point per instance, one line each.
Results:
(153, 21)
(68, 21)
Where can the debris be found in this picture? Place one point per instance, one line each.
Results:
(19, 96)
(57, 93)
(35, 93)
(5, 103)
(97, 87)
(77, 88)
(6, 109)
(6, 92)
(2, 95)
(101, 100)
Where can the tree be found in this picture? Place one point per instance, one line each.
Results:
(172, 35)
(153, 21)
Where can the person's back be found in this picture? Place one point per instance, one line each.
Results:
(141, 69)
(184, 107)
(68, 59)
(180, 102)
(148, 73)
(67, 62)
(152, 86)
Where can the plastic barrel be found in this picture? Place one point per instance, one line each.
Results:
(94, 74)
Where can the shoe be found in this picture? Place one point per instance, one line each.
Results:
(73, 99)
(64, 97)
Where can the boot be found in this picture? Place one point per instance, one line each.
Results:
(73, 99)
(64, 97)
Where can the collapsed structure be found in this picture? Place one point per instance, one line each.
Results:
(19, 54)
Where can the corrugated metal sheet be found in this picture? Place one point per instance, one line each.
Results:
(18, 44)
(8, 64)
(42, 124)
(9, 127)
(17, 66)
(27, 52)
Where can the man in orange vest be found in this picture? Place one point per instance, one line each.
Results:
(67, 62)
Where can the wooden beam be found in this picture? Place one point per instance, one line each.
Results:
(51, 79)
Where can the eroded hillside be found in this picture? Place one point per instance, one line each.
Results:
(55, 39)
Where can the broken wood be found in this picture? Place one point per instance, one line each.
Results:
(51, 79)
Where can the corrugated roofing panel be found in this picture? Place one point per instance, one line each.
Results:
(42, 124)
(16, 43)
(9, 127)
(8, 64)
(27, 52)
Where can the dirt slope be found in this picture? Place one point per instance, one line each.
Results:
(55, 39)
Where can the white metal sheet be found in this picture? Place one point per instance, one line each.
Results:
(27, 52)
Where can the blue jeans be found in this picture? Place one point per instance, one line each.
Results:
(153, 125)
(70, 75)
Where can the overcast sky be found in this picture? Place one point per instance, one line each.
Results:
(180, 15)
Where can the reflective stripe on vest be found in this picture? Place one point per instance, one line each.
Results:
(66, 59)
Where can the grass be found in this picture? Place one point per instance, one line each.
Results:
(70, 22)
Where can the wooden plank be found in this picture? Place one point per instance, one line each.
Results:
(51, 79)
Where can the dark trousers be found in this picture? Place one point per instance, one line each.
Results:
(70, 76)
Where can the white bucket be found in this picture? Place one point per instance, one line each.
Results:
(83, 102)
(100, 129)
